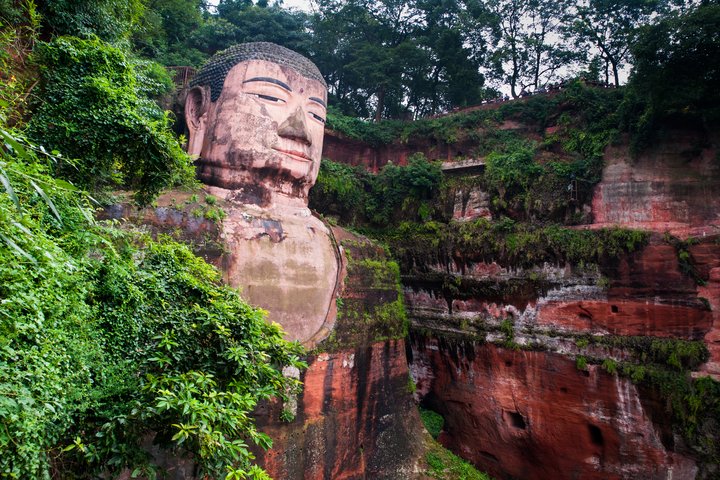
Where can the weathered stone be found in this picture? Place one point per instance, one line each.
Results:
(534, 415)
(673, 186)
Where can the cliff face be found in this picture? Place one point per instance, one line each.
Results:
(673, 186)
(534, 415)
(528, 380)
(355, 417)
(576, 369)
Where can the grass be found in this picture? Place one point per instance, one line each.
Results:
(441, 463)
(445, 465)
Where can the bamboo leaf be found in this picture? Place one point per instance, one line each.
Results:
(8, 187)
(47, 200)
(17, 249)
(14, 144)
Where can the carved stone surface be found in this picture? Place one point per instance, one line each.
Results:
(284, 261)
(262, 137)
(255, 116)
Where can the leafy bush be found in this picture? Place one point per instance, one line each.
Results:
(107, 336)
(110, 20)
(95, 108)
(340, 190)
(433, 422)
(508, 242)
(357, 197)
(399, 191)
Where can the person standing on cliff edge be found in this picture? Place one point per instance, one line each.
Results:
(256, 115)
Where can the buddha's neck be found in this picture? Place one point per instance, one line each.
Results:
(259, 198)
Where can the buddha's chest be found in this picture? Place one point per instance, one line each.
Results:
(286, 265)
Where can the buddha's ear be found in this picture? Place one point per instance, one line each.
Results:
(197, 105)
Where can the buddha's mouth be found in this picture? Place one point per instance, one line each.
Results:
(296, 154)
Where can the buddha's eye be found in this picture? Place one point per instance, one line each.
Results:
(317, 117)
(269, 98)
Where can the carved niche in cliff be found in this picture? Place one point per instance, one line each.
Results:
(255, 114)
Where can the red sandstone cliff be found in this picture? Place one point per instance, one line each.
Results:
(355, 418)
(522, 363)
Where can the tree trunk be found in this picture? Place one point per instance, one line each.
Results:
(615, 72)
(381, 101)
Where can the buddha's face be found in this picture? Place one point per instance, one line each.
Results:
(265, 128)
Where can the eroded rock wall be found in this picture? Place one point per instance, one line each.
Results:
(526, 365)
(355, 418)
(672, 186)
(534, 415)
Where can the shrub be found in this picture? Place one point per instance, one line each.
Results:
(107, 336)
(94, 108)
(433, 422)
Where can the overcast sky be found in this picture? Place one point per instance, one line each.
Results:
(303, 5)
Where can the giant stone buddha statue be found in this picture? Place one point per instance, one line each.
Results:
(255, 114)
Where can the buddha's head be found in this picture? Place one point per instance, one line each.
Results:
(256, 115)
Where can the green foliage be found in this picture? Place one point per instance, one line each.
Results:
(685, 260)
(508, 242)
(94, 107)
(411, 386)
(402, 189)
(339, 190)
(111, 20)
(106, 335)
(433, 422)
(610, 365)
(581, 363)
(675, 74)
(693, 404)
(593, 110)
(538, 181)
(444, 465)
(507, 327)
(359, 197)
(673, 353)
(165, 30)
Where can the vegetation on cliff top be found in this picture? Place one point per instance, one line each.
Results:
(543, 171)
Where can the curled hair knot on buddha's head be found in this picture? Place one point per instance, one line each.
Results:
(213, 73)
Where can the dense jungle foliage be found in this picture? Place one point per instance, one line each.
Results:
(108, 336)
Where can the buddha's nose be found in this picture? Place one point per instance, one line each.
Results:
(294, 127)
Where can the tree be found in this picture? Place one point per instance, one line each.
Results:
(243, 21)
(165, 28)
(396, 58)
(677, 68)
(111, 20)
(95, 107)
(530, 52)
(608, 25)
(454, 77)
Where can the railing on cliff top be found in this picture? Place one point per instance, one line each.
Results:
(181, 75)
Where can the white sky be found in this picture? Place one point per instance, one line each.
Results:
(303, 5)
